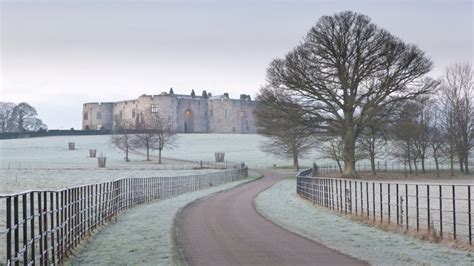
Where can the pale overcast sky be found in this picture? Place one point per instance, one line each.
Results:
(57, 55)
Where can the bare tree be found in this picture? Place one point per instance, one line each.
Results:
(422, 118)
(345, 71)
(458, 98)
(154, 133)
(436, 135)
(449, 127)
(371, 142)
(332, 148)
(164, 133)
(122, 136)
(280, 120)
(403, 134)
(6, 111)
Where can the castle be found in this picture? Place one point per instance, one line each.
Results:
(187, 113)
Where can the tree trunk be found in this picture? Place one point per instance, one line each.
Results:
(349, 154)
(461, 165)
(409, 164)
(415, 164)
(159, 155)
(423, 164)
(372, 164)
(451, 161)
(126, 153)
(466, 165)
(295, 162)
(147, 153)
(405, 168)
(339, 165)
(436, 163)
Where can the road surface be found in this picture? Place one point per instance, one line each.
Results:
(225, 229)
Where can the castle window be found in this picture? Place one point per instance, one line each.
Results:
(154, 108)
(120, 114)
(86, 116)
(225, 112)
(212, 113)
(99, 115)
(133, 113)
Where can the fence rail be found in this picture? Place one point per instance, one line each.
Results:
(44, 226)
(437, 210)
(384, 166)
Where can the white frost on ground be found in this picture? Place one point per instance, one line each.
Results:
(13, 181)
(142, 235)
(283, 206)
(43, 152)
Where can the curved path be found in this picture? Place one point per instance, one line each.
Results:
(227, 230)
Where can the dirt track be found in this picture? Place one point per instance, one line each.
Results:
(227, 230)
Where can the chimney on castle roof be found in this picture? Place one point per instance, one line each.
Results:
(243, 96)
(209, 95)
(204, 94)
(171, 92)
(226, 94)
(193, 94)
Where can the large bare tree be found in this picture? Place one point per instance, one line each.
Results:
(345, 71)
(281, 121)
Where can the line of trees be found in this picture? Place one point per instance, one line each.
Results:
(440, 126)
(357, 89)
(20, 117)
(148, 134)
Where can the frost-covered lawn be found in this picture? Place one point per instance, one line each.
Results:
(47, 163)
(142, 235)
(48, 152)
(15, 180)
(281, 204)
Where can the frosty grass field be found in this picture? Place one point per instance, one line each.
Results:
(46, 163)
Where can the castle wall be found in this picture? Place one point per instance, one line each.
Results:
(97, 115)
(231, 116)
(124, 111)
(163, 105)
(187, 114)
(247, 121)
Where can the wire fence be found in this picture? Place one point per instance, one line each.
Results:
(44, 226)
(386, 166)
(437, 211)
